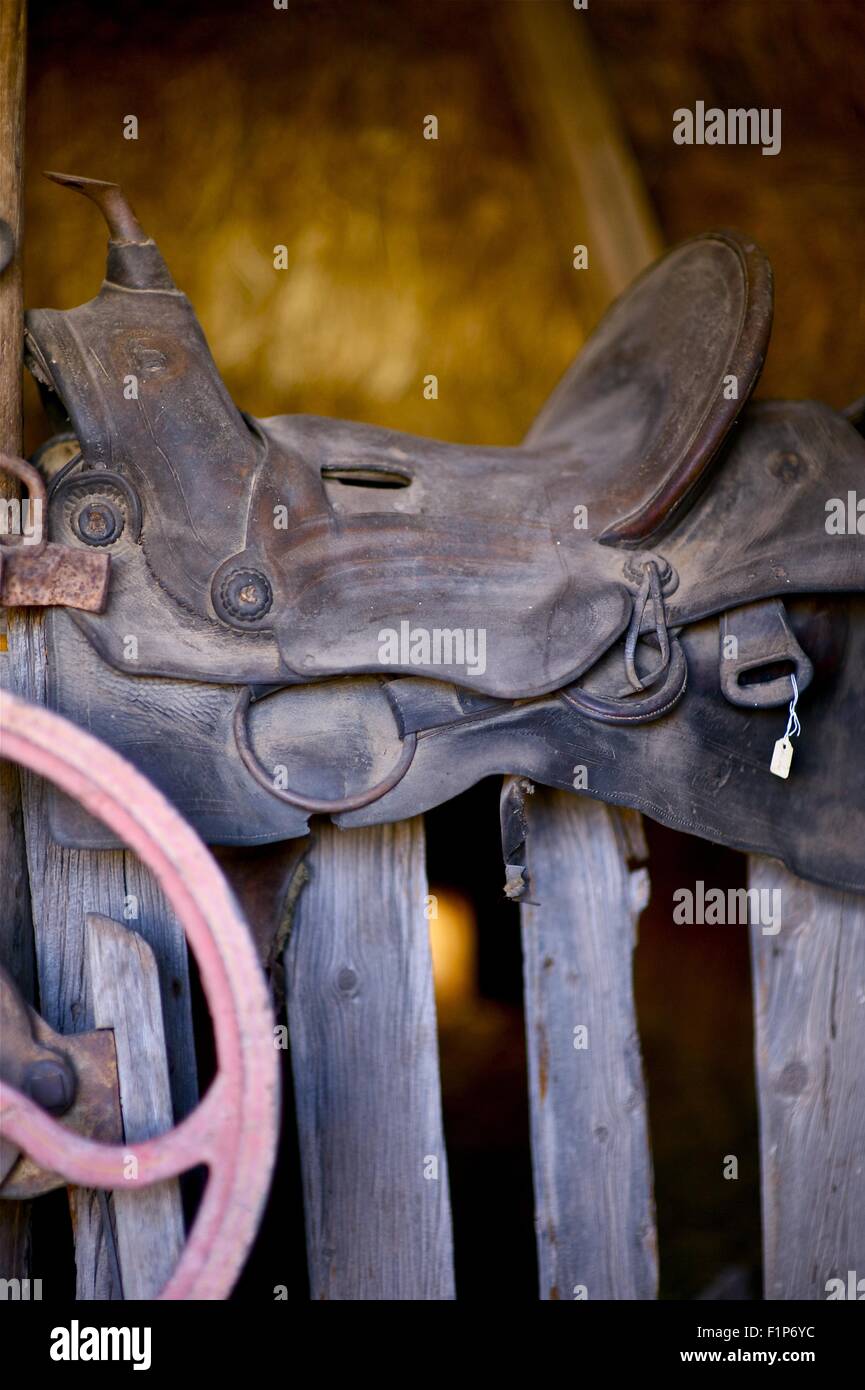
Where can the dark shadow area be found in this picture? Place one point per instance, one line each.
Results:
(277, 1260)
(52, 1246)
(276, 1268)
(483, 1061)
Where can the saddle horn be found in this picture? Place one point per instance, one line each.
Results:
(134, 260)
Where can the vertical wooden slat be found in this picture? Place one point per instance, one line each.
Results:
(809, 1004)
(365, 1062)
(590, 1145)
(590, 1149)
(591, 179)
(124, 983)
(16, 930)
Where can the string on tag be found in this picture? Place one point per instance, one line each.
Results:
(782, 754)
(794, 726)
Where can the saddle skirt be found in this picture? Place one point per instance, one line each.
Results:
(295, 569)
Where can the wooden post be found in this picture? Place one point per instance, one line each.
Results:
(594, 1209)
(16, 928)
(809, 1007)
(590, 1147)
(365, 1060)
(124, 984)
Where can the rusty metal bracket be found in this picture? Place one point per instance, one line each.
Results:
(35, 572)
(74, 1076)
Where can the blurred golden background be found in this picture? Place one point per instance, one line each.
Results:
(304, 128)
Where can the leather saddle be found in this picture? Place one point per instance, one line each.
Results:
(308, 615)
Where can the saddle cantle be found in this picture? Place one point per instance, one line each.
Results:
(533, 610)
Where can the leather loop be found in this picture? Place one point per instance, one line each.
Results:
(650, 587)
(764, 642)
(635, 709)
(299, 799)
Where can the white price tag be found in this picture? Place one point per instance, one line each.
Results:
(782, 757)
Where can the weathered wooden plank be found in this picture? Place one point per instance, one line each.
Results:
(592, 180)
(809, 1007)
(365, 1061)
(66, 885)
(590, 1145)
(124, 986)
(16, 930)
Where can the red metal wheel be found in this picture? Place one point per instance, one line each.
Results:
(234, 1129)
